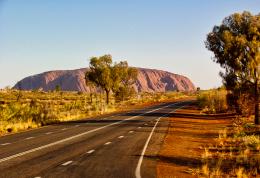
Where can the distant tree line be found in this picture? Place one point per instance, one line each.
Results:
(116, 78)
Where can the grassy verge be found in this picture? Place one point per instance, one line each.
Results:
(210, 145)
(236, 152)
(22, 110)
(188, 133)
(213, 101)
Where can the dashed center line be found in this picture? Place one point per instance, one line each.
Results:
(38, 177)
(121, 136)
(28, 138)
(67, 163)
(139, 127)
(3, 144)
(48, 133)
(90, 151)
(64, 129)
(107, 143)
(130, 131)
(76, 126)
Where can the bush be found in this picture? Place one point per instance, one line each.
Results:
(213, 101)
(124, 93)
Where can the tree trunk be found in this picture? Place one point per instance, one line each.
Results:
(107, 94)
(257, 119)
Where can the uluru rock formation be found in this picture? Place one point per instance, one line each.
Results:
(148, 80)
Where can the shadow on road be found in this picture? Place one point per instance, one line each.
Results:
(184, 115)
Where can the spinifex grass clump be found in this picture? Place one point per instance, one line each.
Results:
(236, 153)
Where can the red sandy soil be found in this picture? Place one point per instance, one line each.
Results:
(189, 132)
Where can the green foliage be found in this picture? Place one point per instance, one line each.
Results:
(100, 73)
(124, 77)
(124, 93)
(57, 88)
(117, 77)
(235, 44)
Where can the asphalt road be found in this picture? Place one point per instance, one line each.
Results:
(115, 146)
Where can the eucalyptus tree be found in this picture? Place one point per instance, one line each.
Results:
(109, 76)
(236, 47)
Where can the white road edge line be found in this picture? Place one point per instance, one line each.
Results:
(130, 131)
(90, 151)
(121, 136)
(76, 136)
(48, 133)
(138, 167)
(64, 129)
(67, 163)
(3, 144)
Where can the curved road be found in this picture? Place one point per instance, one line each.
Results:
(120, 145)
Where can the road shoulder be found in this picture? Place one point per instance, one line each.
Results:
(188, 133)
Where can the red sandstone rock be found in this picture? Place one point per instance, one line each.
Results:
(149, 80)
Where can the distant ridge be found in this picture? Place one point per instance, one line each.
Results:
(149, 80)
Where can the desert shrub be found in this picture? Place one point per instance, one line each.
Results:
(213, 101)
(234, 154)
(124, 93)
(37, 108)
(252, 141)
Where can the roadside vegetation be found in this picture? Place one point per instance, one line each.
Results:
(22, 110)
(213, 101)
(236, 152)
(235, 44)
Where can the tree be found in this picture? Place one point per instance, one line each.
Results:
(57, 88)
(100, 73)
(236, 47)
(110, 77)
(91, 86)
(124, 77)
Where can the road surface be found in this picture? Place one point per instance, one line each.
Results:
(120, 145)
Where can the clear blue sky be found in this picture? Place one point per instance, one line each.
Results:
(42, 35)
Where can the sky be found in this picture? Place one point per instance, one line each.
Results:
(43, 35)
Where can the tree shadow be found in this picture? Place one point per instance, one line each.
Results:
(178, 160)
(182, 115)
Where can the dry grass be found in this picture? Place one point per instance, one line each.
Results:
(236, 153)
(213, 101)
(200, 145)
(189, 137)
(22, 110)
